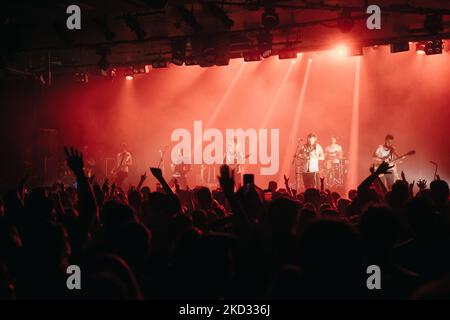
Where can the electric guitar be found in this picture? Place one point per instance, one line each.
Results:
(117, 169)
(394, 162)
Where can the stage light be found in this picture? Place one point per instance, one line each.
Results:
(138, 69)
(81, 77)
(265, 44)
(433, 47)
(420, 48)
(269, 18)
(309, 59)
(190, 61)
(400, 46)
(178, 51)
(133, 23)
(129, 77)
(341, 50)
(348, 51)
(251, 56)
(111, 74)
(430, 47)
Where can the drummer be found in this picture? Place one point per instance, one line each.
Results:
(333, 152)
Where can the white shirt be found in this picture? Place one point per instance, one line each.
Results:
(312, 164)
(384, 153)
(333, 150)
(124, 161)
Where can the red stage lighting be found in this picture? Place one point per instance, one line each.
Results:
(341, 51)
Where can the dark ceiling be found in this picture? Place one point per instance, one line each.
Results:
(35, 39)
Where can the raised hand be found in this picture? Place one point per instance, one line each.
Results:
(74, 160)
(286, 180)
(226, 179)
(403, 176)
(384, 168)
(156, 172)
(411, 187)
(422, 184)
(143, 176)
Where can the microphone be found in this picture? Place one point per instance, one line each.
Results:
(432, 162)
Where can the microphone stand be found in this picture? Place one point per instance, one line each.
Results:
(161, 158)
(435, 169)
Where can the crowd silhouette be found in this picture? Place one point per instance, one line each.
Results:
(224, 243)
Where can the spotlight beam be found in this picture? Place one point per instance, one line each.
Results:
(290, 149)
(221, 103)
(225, 97)
(276, 97)
(352, 177)
(268, 115)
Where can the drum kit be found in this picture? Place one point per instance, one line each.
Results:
(335, 170)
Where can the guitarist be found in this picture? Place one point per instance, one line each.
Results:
(180, 169)
(124, 161)
(386, 152)
(234, 157)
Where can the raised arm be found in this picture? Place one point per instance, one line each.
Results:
(382, 169)
(286, 184)
(141, 181)
(87, 204)
(241, 223)
(157, 173)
